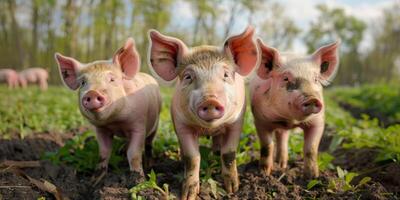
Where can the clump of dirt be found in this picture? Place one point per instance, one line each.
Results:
(282, 184)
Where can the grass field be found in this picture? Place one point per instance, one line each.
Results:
(359, 156)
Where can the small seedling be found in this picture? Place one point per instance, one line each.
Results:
(150, 184)
(343, 182)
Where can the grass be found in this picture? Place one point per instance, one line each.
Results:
(30, 111)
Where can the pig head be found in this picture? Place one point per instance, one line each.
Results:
(287, 93)
(209, 97)
(117, 99)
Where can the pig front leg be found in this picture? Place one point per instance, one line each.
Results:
(282, 137)
(267, 149)
(312, 137)
(135, 150)
(43, 84)
(228, 158)
(189, 145)
(104, 140)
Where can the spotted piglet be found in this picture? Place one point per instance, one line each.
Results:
(209, 98)
(118, 100)
(287, 93)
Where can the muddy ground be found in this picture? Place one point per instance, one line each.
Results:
(287, 184)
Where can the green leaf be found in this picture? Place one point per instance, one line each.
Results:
(349, 177)
(312, 183)
(364, 181)
(340, 172)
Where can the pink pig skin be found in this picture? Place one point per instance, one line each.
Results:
(10, 77)
(287, 93)
(118, 100)
(34, 75)
(209, 98)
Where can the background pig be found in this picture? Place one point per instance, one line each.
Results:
(118, 100)
(209, 98)
(34, 75)
(287, 93)
(10, 77)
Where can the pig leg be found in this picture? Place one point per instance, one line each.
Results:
(9, 83)
(148, 151)
(105, 147)
(43, 84)
(189, 145)
(228, 157)
(135, 150)
(282, 137)
(216, 144)
(312, 137)
(267, 149)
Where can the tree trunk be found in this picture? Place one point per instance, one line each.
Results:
(35, 16)
(16, 35)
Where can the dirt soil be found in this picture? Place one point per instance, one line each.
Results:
(287, 184)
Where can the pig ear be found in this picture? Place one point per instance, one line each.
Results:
(165, 53)
(269, 60)
(128, 58)
(327, 58)
(68, 68)
(243, 50)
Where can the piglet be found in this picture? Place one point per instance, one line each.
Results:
(118, 100)
(10, 77)
(209, 98)
(34, 75)
(287, 93)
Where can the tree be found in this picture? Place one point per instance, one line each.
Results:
(331, 25)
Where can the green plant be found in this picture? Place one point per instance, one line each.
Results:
(150, 184)
(81, 152)
(343, 182)
(325, 161)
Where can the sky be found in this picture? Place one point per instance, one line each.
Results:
(303, 12)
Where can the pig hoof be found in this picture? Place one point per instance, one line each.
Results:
(190, 190)
(136, 177)
(231, 183)
(265, 168)
(98, 175)
(310, 173)
(282, 164)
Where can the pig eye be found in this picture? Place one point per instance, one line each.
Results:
(187, 77)
(112, 79)
(226, 75)
(83, 82)
(286, 78)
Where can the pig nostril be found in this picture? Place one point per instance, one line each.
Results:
(205, 109)
(88, 99)
(99, 99)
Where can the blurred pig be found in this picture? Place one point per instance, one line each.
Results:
(287, 93)
(209, 98)
(34, 75)
(118, 100)
(10, 77)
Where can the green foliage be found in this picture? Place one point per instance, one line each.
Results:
(82, 153)
(313, 183)
(150, 184)
(27, 111)
(380, 99)
(325, 161)
(344, 181)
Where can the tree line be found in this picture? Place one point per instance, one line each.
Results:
(31, 31)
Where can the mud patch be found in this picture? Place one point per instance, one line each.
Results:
(282, 184)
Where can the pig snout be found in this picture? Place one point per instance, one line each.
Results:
(310, 106)
(210, 110)
(93, 100)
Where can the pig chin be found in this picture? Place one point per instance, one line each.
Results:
(99, 115)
